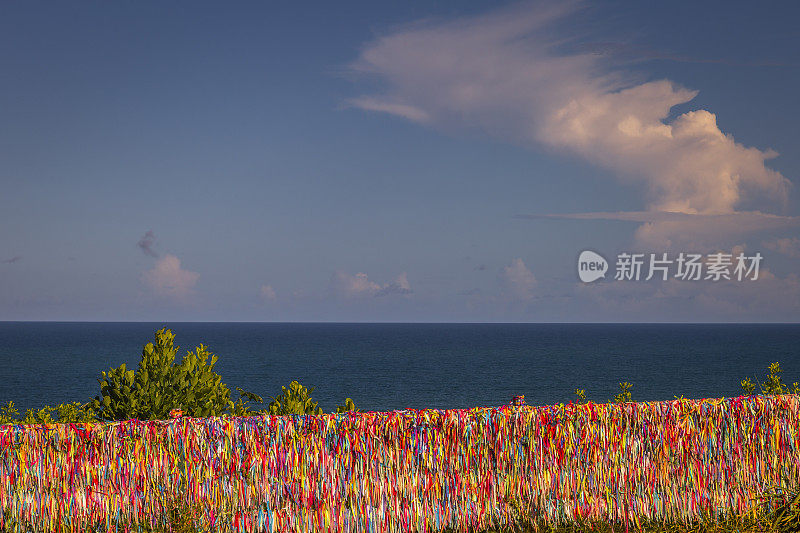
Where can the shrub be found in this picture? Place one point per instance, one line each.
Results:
(160, 385)
(624, 395)
(580, 395)
(242, 405)
(294, 400)
(773, 384)
(347, 407)
(64, 413)
(748, 386)
(8, 413)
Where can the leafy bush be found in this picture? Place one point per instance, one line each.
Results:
(294, 400)
(347, 407)
(748, 386)
(624, 395)
(773, 383)
(580, 395)
(242, 405)
(8, 413)
(160, 385)
(64, 413)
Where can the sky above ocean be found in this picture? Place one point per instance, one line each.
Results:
(396, 161)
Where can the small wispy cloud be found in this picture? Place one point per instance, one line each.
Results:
(406, 111)
(752, 220)
(633, 51)
(517, 280)
(399, 285)
(359, 285)
(789, 246)
(15, 259)
(470, 292)
(267, 293)
(146, 244)
(669, 228)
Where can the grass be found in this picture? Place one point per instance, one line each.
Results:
(784, 518)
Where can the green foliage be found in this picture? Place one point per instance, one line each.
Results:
(581, 395)
(748, 386)
(349, 406)
(773, 512)
(76, 413)
(183, 517)
(242, 405)
(64, 413)
(624, 395)
(8, 413)
(294, 400)
(160, 385)
(773, 384)
(786, 516)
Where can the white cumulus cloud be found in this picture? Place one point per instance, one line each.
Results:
(167, 279)
(501, 72)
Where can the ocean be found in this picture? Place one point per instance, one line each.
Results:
(396, 366)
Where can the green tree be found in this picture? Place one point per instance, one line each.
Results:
(160, 385)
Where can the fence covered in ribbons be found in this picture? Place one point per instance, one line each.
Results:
(405, 470)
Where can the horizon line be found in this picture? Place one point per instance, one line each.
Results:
(383, 322)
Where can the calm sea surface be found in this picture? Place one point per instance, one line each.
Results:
(394, 366)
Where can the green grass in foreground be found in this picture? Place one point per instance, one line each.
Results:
(784, 518)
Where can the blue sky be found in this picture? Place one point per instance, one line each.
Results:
(368, 161)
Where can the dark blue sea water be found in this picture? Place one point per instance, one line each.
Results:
(394, 366)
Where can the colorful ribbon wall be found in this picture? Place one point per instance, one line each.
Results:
(405, 470)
